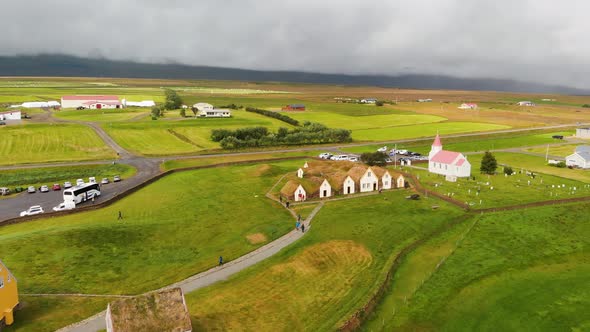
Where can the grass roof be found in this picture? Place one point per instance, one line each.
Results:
(162, 311)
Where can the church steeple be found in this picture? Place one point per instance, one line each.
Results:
(436, 146)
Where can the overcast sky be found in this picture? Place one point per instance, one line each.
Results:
(536, 40)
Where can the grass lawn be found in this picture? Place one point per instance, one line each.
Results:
(187, 136)
(474, 144)
(335, 120)
(556, 150)
(538, 164)
(49, 175)
(181, 163)
(499, 190)
(515, 271)
(106, 115)
(37, 143)
(423, 130)
(45, 314)
(162, 238)
(319, 281)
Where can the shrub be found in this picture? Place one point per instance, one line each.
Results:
(489, 164)
(173, 100)
(586, 105)
(508, 170)
(274, 115)
(183, 113)
(374, 158)
(379, 103)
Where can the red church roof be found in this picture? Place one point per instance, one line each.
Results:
(460, 162)
(437, 141)
(445, 157)
(90, 98)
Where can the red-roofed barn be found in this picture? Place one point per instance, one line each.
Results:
(448, 163)
(92, 102)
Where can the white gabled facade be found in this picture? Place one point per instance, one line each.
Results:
(386, 181)
(580, 158)
(348, 187)
(369, 181)
(300, 194)
(400, 182)
(10, 115)
(325, 189)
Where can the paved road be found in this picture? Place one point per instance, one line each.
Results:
(211, 276)
(148, 167)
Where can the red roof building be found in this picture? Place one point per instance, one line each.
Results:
(94, 102)
(451, 164)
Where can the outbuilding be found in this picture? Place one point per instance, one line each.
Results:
(294, 107)
(10, 115)
(94, 102)
(580, 158)
(583, 132)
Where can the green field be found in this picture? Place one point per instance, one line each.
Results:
(556, 150)
(423, 130)
(114, 115)
(539, 164)
(514, 271)
(473, 144)
(43, 143)
(49, 175)
(337, 120)
(181, 137)
(46, 314)
(315, 284)
(210, 160)
(498, 190)
(162, 239)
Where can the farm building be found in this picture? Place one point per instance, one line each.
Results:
(294, 107)
(92, 102)
(215, 113)
(525, 103)
(10, 115)
(580, 158)
(426, 100)
(162, 311)
(583, 132)
(448, 163)
(368, 101)
(37, 104)
(202, 107)
(143, 103)
(8, 295)
(468, 106)
(324, 179)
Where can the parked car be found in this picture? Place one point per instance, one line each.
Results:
(2, 123)
(325, 155)
(339, 157)
(67, 185)
(353, 158)
(116, 178)
(92, 179)
(79, 108)
(56, 187)
(4, 191)
(33, 210)
(44, 189)
(65, 206)
(31, 189)
(388, 160)
(557, 136)
(79, 182)
(415, 154)
(104, 181)
(382, 149)
(402, 152)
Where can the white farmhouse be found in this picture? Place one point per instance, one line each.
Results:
(468, 106)
(580, 158)
(448, 163)
(583, 132)
(215, 113)
(203, 107)
(10, 115)
(526, 103)
(92, 102)
(366, 178)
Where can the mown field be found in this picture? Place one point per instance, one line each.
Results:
(539, 164)
(423, 130)
(514, 271)
(487, 191)
(316, 283)
(474, 143)
(41, 143)
(50, 175)
(114, 115)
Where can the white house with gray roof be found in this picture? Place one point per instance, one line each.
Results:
(580, 158)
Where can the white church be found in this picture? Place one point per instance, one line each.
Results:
(451, 164)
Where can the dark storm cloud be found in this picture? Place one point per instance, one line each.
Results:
(540, 40)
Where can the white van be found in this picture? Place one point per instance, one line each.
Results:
(92, 179)
(340, 157)
(4, 191)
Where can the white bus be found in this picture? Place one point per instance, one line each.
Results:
(81, 193)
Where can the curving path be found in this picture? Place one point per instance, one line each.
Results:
(211, 276)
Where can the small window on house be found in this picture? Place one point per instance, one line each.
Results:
(386, 183)
(369, 173)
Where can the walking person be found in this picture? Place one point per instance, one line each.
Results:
(220, 260)
(302, 228)
(120, 216)
(287, 204)
(297, 225)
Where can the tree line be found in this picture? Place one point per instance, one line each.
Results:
(309, 133)
(275, 115)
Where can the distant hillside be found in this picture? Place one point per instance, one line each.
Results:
(68, 66)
